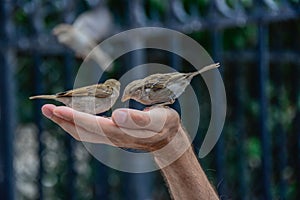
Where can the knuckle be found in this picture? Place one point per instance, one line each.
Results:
(139, 119)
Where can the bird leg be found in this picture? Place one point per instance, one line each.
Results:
(171, 101)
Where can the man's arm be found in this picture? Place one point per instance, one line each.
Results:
(166, 139)
(185, 177)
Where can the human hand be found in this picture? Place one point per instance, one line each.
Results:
(144, 130)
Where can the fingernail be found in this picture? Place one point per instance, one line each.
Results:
(120, 117)
(48, 113)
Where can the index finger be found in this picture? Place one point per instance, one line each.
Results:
(98, 125)
(92, 123)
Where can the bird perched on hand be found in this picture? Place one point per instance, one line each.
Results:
(161, 89)
(82, 36)
(91, 99)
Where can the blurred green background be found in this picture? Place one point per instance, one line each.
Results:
(258, 46)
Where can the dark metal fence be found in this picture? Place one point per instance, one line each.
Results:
(271, 59)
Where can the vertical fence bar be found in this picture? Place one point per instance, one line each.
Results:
(101, 180)
(297, 167)
(7, 127)
(174, 59)
(296, 123)
(38, 89)
(37, 80)
(239, 120)
(282, 158)
(280, 137)
(297, 127)
(7, 106)
(263, 63)
(279, 148)
(217, 41)
(69, 64)
(217, 52)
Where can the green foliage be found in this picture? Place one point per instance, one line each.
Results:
(240, 38)
(253, 149)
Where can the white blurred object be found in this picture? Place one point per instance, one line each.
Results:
(87, 30)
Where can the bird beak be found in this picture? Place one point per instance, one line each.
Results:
(125, 97)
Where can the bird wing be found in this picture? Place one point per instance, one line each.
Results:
(157, 81)
(103, 91)
(168, 86)
(98, 90)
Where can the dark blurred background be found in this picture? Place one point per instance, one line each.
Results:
(257, 43)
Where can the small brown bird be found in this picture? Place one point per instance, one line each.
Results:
(161, 89)
(91, 99)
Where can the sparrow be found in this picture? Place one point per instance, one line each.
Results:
(161, 89)
(83, 35)
(91, 99)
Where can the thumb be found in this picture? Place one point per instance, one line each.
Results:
(153, 119)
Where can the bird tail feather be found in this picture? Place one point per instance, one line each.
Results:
(204, 69)
(209, 67)
(43, 97)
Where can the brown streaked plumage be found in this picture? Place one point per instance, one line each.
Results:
(91, 99)
(161, 89)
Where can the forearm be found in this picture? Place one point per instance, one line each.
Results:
(185, 177)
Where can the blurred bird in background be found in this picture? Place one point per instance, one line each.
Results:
(84, 34)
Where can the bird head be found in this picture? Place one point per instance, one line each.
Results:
(132, 91)
(113, 83)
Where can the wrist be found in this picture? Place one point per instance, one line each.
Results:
(173, 150)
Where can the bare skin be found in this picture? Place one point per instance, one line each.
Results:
(184, 176)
